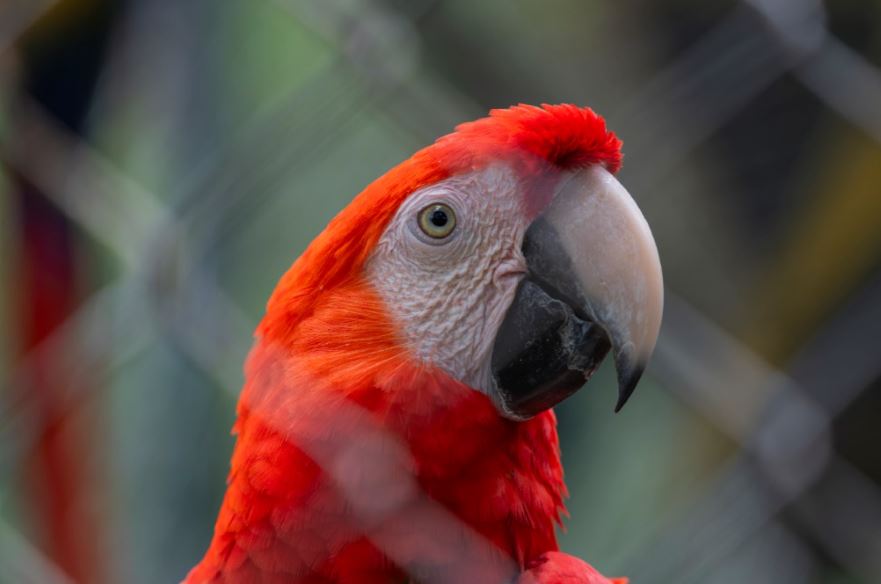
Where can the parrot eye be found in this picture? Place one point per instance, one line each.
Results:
(437, 220)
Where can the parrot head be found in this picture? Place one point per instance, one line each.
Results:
(506, 255)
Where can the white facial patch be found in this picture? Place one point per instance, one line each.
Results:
(450, 295)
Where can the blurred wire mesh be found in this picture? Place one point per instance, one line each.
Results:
(164, 162)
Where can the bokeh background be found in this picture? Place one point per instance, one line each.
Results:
(163, 162)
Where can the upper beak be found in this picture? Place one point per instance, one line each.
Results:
(594, 283)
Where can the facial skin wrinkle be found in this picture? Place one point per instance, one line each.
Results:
(449, 297)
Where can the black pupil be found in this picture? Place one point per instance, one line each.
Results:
(438, 218)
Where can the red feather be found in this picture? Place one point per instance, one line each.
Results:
(560, 568)
(356, 464)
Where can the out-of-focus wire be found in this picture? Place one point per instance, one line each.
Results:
(22, 563)
(16, 16)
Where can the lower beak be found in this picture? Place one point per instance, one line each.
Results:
(593, 285)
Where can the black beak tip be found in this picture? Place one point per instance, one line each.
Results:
(629, 374)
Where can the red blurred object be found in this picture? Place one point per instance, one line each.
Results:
(58, 488)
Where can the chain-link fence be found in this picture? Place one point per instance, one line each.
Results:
(164, 163)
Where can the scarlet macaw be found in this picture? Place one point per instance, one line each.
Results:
(395, 423)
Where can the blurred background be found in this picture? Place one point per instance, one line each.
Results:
(163, 162)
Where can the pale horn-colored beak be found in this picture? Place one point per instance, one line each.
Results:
(594, 284)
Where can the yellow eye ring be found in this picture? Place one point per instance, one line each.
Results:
(437, 220)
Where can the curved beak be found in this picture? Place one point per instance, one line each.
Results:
(594, 284)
